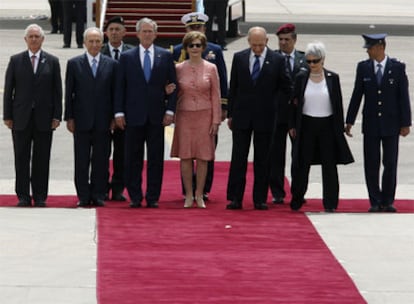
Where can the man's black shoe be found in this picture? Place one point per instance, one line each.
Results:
(296, 204)
(135, 204)
(261, 206)
(98, 203)
(118, 197)
(234, 205)
(278, 200)
(374, 209)
(152, 204)
(40, 204)
(389, 208)
(83, 203)
(23, 203)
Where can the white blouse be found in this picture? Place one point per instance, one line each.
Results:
(316, 100)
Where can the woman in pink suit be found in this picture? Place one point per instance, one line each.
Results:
(198, 115)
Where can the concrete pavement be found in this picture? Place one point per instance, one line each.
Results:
(376, 250)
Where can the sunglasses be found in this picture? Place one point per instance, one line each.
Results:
(314, 61)
(194, 45)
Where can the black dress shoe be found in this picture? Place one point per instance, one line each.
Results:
(80, 46)
(98, 203)
(40, 204)
(66, 46)
(23, 203)
(135, 204)
(234, 205)
(83, 203)
(278, 200)
(152, 204)
(296, 204)
(118, 197)
(374, 208)
(329, 210)
(261, 206)
(389, 208)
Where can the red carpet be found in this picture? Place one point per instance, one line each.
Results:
(173, 255)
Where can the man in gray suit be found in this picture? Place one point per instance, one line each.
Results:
(88, 112)
(32, 110)
(115, 31)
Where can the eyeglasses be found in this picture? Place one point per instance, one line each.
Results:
(314, 61)
(194, 45)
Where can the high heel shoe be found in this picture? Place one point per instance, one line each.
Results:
(200, 202)
(188, 203)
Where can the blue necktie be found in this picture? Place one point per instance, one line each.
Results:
(94, 67)
(256, 68)
(147, 65)
(379, 74)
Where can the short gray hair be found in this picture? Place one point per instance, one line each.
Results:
(146, 20)
(34, 26)
(92, 29)
(316, 49)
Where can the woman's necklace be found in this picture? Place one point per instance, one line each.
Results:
(315, 74)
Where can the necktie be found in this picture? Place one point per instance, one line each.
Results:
(288, 66)
(147, 66)
(94, 67)
(379, 73)
(256, 68)
(116, 51)
(34, 63)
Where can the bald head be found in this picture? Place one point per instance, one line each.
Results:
(257, 38)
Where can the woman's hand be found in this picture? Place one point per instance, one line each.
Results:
(214, 129)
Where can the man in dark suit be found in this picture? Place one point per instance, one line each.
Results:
(143, 109)
(196, 22)
(257, 76)
(386, 115)
(73, 10)
(89, 95)
(115, 31)
(295, 61)
(32, 110)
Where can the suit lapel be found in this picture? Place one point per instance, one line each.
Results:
(85, 64)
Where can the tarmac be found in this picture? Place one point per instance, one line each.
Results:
(49, 255)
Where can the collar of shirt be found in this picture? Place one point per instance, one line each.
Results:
(292, 55)
(261, 58)
(383, 63)
(90, 58)
(111, 49)
(142, 54)
(37, 54)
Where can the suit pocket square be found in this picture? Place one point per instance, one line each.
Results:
(366, 79)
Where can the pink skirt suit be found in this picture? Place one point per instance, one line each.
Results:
(198, 107)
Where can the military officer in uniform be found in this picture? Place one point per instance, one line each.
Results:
(386, 116)
(295, 61)
(196, 21)
(115, 31)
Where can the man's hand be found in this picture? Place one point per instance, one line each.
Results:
(229, 122)
(348, 128)
(168, 119)
(292, 133)
(8, 123)
(55, 124)
(120, 122)
(70, 125)
(404, 131)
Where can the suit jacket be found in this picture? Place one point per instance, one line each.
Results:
(106, 51)
(343, 153)
(387, 107)
(141, 101)
(89, 100)
(25, 91)
(254, 105)
(299, 64)
(213, 54)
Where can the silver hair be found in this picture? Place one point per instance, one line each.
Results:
(92, 29)
(316, 49)
(34, 26)
(146, 20)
